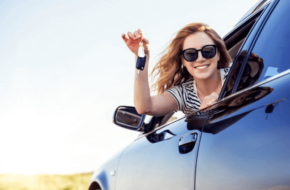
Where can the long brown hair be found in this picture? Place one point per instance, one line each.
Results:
(169, 68)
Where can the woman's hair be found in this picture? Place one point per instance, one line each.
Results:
(169, 68)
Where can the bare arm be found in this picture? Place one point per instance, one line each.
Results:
(158, 105)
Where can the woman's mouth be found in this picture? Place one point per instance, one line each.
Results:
(201, 66)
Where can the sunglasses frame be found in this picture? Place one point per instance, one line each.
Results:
(197, 50)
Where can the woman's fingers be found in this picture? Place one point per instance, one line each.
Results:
(209, 100)
(132, 41)
(140, 31)
(203, 105)
(145, 41)
(130, 35)
(136, 34)
(146, 45)
(124, 37)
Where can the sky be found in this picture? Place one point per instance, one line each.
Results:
(64, 69)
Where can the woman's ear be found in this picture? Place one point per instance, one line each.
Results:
(182, 62)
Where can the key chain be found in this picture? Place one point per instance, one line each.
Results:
(140, 63)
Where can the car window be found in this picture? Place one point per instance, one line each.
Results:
(156, 122)
(271, 48)
(235, 38)
(234, 41)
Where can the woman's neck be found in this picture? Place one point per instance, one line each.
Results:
(208, 86)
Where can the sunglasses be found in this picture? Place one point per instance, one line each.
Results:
(207, 51)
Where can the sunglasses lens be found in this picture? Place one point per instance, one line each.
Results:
(190, 55)
(208, 52)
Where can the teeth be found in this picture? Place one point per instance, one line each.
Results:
(201, 67)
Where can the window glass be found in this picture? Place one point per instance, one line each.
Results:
(233, 43)
(273, 44)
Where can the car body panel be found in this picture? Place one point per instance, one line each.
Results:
(103, 176)
(253, 151)
(156, 163)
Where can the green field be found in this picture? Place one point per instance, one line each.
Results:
(45, 182)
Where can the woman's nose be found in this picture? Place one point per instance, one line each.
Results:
(200, 57)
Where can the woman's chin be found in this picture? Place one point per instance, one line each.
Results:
(201, 76)
(204, 75)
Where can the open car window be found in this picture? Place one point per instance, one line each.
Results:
(234, 41)
(235, 38)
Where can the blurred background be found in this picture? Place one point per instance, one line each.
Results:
(64, 68)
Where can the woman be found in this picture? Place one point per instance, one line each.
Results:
(191, 73)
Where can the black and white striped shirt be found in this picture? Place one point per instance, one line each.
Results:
(186, 96)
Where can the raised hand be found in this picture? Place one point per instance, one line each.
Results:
(132, 41)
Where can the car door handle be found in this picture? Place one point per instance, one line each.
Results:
(187, 143)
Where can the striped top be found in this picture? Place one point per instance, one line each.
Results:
(185, 94)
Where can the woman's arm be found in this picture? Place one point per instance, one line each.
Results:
(158, 105)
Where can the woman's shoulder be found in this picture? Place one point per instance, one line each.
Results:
(187, 84)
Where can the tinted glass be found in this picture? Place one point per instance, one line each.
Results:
(273, 44)
(208, 51)
(190, 54)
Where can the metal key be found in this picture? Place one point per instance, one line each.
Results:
(140, 63)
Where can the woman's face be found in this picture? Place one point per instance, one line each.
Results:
(201, 68)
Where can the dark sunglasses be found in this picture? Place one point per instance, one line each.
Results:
(207, 51)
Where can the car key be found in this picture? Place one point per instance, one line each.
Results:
(140, 63)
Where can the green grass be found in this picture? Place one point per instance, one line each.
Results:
(45, 182)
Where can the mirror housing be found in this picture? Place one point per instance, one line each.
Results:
(127, 117)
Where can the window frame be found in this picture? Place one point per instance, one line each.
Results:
(248, 43)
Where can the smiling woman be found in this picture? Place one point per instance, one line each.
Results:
(190, 74)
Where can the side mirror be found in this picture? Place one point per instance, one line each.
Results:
(128, 117)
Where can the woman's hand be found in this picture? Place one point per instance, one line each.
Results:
(209, 100)
(133, 39)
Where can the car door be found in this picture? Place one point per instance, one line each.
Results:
(245, 143)
(161, 159)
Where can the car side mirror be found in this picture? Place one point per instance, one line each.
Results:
(128, 117)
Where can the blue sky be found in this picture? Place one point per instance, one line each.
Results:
(64, 69)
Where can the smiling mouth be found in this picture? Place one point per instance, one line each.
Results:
(201, 66)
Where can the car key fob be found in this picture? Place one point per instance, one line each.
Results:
(141, 60)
